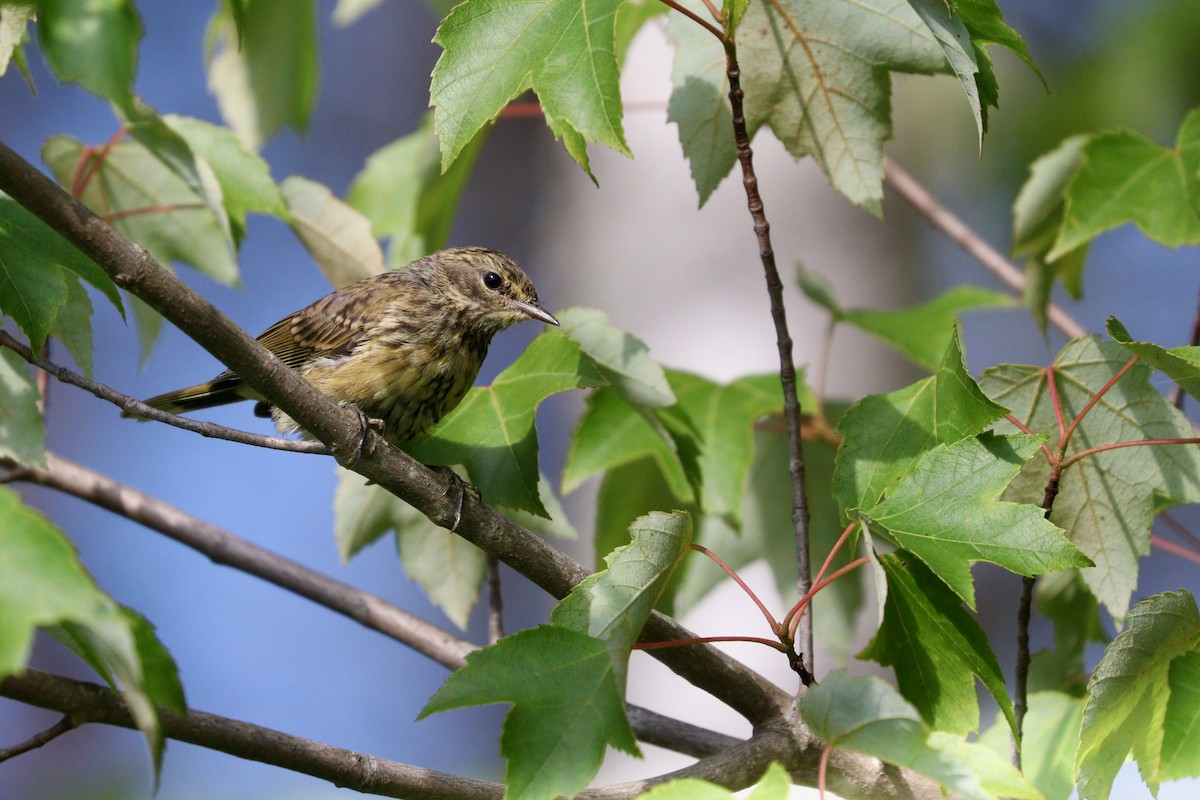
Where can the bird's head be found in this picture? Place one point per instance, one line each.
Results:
(489, 286)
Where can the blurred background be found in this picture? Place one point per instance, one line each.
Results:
(686, 281)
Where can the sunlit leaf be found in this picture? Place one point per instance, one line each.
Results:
(338, 237)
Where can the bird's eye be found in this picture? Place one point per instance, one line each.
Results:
(492, 281)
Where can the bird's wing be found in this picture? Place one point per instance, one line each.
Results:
(328, 328)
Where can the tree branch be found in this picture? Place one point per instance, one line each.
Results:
(948, 223)
(88, 702)
(787, 366)
(369, 610)
(133, 269)
(137, 408)
(39, 739)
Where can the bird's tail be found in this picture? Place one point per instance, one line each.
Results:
(217, 392)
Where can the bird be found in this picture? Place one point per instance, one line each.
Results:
(402, 347)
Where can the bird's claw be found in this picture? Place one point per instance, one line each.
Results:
(464, 488)
(365, 424)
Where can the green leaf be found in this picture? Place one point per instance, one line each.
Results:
(946, 512)
(699, 104)
(775, 784)
(996, 773)
(264, 71)
(1180, 364)
(614, 604)
(1064, 600)
(611, 433)
(817, 73)
(149, 203)
(1125, 177)
(338, 237)
(22, 432)
(1037, 218)
(245, 179)
(884, 436)
(33, 287)
(1130, 693)
(494, 50)
(407, 197)
(567, 707)
(923, 332)
(1050, 738)
(93, 44)
(623, 359)
(627, 492)
(46, 586)
(73, 325)
(14, 20)
(492, 433)
(723, 417)
(1181, 748)
(631, 16)
(819, 289)
(1105, 502)
(868, 716)
(936, 648)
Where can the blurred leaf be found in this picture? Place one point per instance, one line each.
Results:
(14, 21)
(407, 197)
(73, 325)
(245, 179)
(629, 491)
(1104, 502)
(264, 71)
(817, 288)
(817, 73)
(22, 432)
(92, 44)
(775, 784)
(338, 237)
(946, 512)
(45, 586)
(1050, 738)
(723, 417)
(699, 104)
(1124, 177)
(614, 603)
(1181, 748)
(1130, 696)
(886, 435)
(1065, 600)
(868, 716)
(936, 648)
(610, 433)
(1180, 364)
(1000, 779)
(1037, 218)
(492, 433)
(567, 707)
(631, 16)
(494, 50)
(924, 331)
(623, 359)
(149, 203)
(347, 12)
(33, 287)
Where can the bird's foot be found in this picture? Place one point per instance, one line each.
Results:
(365, 424)
(462, 487)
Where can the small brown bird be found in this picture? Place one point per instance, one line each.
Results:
(404, 346)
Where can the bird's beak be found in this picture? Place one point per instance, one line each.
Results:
(534, 312)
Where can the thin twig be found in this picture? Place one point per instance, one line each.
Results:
(495, 601)
(1177, 549)
(1056, 404)
(163, 208)
(787, 367)
(728, 570)
(137, 408)
(1128, 365)
(694, 17)
(1180, 529)
(1091, 451)
(948, 223)
(39, 739)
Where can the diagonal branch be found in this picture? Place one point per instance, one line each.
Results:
(367, 609)
(88, 702)
(431, 493)
(137, 408)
